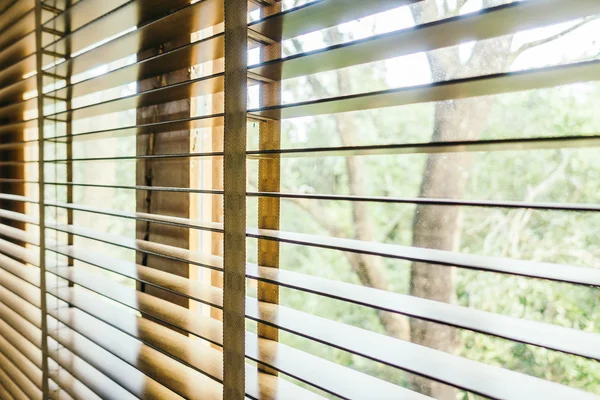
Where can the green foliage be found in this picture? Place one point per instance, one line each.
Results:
(569, 176)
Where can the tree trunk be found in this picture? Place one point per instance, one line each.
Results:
(446, 176)
(368, 269)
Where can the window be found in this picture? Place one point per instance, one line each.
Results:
(391, 199)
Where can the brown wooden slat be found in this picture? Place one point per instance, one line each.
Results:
(27, 329)
(317, 15)
(322, 374)
(488, 23)
(531, 332)
(16, 22)
(20, 342)
(31, 372)
(4, 393)
(571, 341)
(21, 288)
(19, 378)
(189, 19)
(462, 146)
(81, 380)
(173, 60)
(31, 365)
(14, 197)
(557, 272)
(165, 370)
(200, 357)
(21, 307)
(485, 85)
(18, 234)
(11, 387)
(18, 217)
(118, 371)
(27, 273)
(145, 129)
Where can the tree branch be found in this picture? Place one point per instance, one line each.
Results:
(527, 46)
(522, 217)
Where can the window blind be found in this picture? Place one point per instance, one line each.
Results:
(298, 199)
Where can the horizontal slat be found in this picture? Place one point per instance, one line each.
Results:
(20, 306)
(26, 328)
(190, 54)
(19, 287)
(211, 48)
(18, 377)
(519, 144)
(469, 375)
(17, 180)
(440, 91)
(138, 216)
(15, 216)
(200, 292)
(21, 343)
(21, 36)
(178, 91)
(181, 57)
(14, 93)
(538, 205)
(118, 371)
(140, 157)
(485, 24)
(192, 18)
(82, 13)
(4, 393)
(531, 332)
(29, 371)
(8, 381)
(18, 163)
(165, 370)
(13, 74)
(81, 380)
(14, 113)
(17, 145)
(171, 373)
(541, 143)
(317, 15)
(98, 109)
(109, 24)
(165, 251)
(199, 357)
(204, 327)
(17, 51)
(27, 356)
(187, 223)
(149, 188)
(540, 334)
(157, 127)
(466, 374)
(18, 234)
(327, 376)
(555, 272)
(28, 255)
(14, 197)
(27, 273)
(16, 22)
(5, 4)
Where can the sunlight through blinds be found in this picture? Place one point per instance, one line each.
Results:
(390, 199)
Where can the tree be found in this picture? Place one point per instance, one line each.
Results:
(433, 226)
